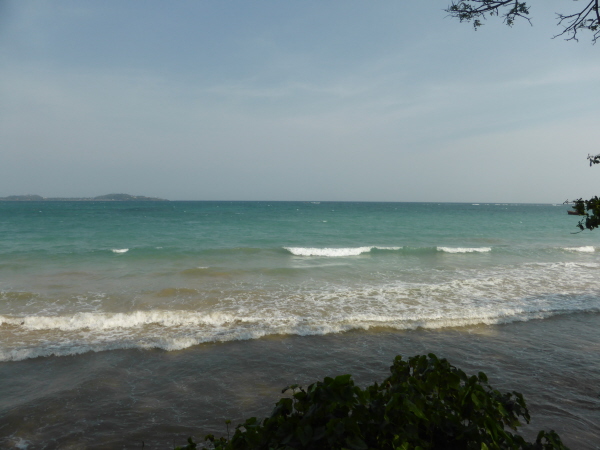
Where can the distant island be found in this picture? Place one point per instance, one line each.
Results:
(101, 198)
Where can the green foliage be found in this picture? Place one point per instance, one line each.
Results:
(426, 403)
(590, 209)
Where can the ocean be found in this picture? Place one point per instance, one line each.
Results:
(130, 324)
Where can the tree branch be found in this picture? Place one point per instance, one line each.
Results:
(475, 11)
(594, 159)
(588, 18)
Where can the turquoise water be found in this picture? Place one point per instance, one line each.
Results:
(125, 322)
(93, 276)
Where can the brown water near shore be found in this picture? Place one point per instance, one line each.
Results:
(119, 399)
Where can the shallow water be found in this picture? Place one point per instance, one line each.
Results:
(119, 399)
(128, 322)
(77, 277)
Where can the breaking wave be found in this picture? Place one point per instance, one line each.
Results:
(356, 251)
(464, 249)
(406, 306)
(349, 251)
(184, 330)
(585, 249)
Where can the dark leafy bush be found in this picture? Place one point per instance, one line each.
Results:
(426, 403)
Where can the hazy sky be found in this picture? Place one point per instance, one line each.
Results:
(387, 100)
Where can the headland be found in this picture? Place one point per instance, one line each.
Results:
(100, 198)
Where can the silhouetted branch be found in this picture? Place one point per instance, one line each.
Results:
(588, 18)
(594, 159)
(474, 10)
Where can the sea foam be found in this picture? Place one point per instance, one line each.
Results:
(348, 251)
(106, 321)
(585, 249)
(172, 339)
(470, 297)
(464, 249)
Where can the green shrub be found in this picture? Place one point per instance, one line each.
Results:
(426, 403)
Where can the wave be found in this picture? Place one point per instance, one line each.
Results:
(107, 321)
(528, 292)
(464, 249)
(206, 256)
(334, 252)
(585, 249)
(352, 251)
(178, 330)
(355, 251)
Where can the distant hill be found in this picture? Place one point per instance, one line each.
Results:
(22, 198)
(126, 198)
(100, 198)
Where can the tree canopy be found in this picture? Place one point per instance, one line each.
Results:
(585, 17)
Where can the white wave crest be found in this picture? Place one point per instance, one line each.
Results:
(464, 249)
(66, 350)
(162, 343)
(581, 264)
(175, 340)
(120, 250)
(586, 249)
(351, 251)
(106, 321)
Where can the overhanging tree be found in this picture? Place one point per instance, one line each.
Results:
(585, 16)
(590, 209)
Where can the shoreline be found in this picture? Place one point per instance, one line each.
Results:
(119, 398)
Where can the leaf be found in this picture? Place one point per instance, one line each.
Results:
(356, 443)
(304, 434)
(475, 400)
(413, 408)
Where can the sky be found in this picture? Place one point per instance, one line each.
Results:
(340, 100)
